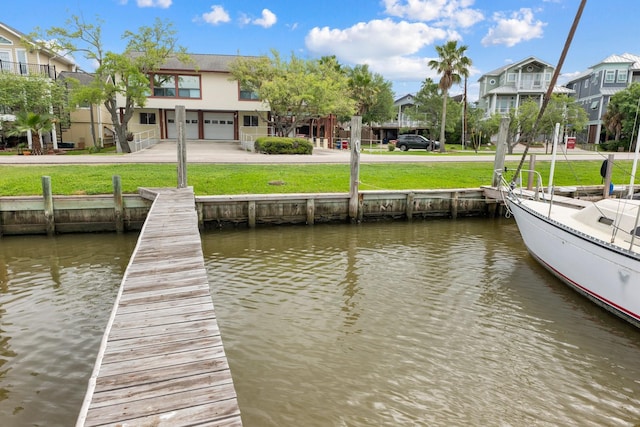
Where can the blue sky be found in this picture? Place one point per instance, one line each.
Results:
(395, 37)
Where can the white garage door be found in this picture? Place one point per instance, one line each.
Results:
(218, 126)
(191, 125)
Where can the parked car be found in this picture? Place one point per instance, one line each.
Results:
(405, 142)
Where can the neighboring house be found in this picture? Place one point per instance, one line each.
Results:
(19, 57)
(510, 86)
(217, 108)
(90, 124)
(594, 88)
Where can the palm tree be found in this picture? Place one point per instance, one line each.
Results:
(34, 122)
(452, 65)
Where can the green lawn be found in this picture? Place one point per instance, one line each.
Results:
(215, 179)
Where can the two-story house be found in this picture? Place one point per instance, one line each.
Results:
(21, 57)
(217, 108)
(509, 86)
(594, 88)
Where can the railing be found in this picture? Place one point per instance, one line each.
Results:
(248, 135)
(142, 140)
(25, 69)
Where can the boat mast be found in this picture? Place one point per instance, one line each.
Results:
(552, 83)
(635, 164)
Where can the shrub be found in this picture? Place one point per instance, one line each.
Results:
(391, 146)
(281, 145)
(614, 145)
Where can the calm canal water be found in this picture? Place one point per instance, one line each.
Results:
(56, 295)
(437, 323)
(440, 323)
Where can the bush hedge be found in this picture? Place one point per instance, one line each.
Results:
(281, 145)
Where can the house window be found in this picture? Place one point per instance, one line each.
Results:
(248, 94)
(609, 76)
(511, 77)
(164, 85)
(189, 86)
(147, 118)
(622, 76)
(175, 86)
(22, 61)
(594, 105)
(251, 121)
(586, 83)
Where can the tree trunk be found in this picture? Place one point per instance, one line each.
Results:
(35, 141)
(120, 128)
(443, 124)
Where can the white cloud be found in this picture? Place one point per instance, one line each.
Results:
(366, 41)
(511, 30)
(268, 19)
(390, 48)
(216, 16)
(164, 4)
(449, 13)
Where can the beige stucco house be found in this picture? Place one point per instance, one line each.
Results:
(216, 107)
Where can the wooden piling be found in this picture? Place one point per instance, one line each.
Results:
(118, 204)
(49, 217)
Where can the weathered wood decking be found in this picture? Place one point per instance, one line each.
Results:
(161, 361)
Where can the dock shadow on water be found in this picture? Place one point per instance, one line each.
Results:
(434, 323)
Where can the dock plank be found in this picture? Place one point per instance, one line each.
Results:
(162, 360)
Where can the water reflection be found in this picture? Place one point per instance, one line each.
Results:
(55, 298)
(430, 323)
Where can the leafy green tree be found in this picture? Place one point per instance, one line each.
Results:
(623, 111)
(452, 64)
(36, 123)
(523, 119)
(297, 90)
(29, 93)
(564, 110)
(475, 126)
(373, 95)
(125, 74)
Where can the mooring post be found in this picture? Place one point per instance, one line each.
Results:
(118, 203)
(47, 194)
(607, 177)
(501, 150)
(181, 124)
(356, 135)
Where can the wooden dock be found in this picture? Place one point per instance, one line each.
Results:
(161, 362)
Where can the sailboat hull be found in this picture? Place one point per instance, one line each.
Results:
(605, 272)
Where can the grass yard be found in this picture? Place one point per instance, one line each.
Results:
(217, 179)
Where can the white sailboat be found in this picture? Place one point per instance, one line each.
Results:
(594, 248)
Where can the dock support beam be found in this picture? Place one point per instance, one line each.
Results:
(251, 213)
(49, 217)
(118, 204)
(311, 208)
(354, 203)
(454, 205)
(410, 202)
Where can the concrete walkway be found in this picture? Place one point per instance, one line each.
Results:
(230, 152)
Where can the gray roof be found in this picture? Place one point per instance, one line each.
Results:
(84, 78)
(521, 63)
(625, 58)
(203, 62)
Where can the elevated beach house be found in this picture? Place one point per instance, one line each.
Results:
(594, 88)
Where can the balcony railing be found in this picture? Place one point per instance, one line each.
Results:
(25, 69)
